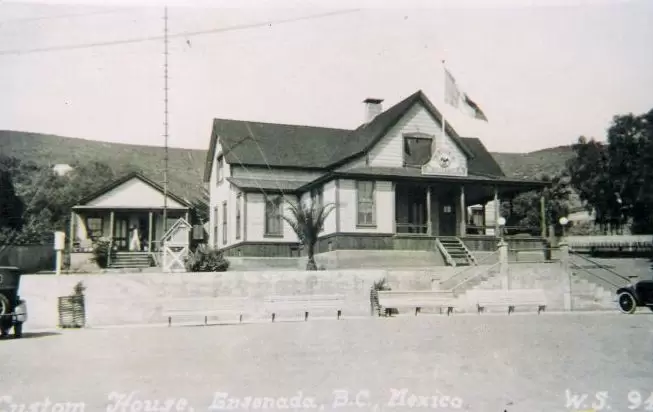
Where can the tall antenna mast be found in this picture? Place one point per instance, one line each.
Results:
(165, 123)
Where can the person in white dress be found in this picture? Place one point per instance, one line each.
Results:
(135, 241)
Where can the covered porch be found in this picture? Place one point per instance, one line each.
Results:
(132, 214)
(128, 229)
(465, 208)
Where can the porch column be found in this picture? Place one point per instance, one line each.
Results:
(497, 206)
(71, 227)
(463, 212)
(483, 221)
(111, 222)
(429, 229)
(149, 232)
(187, 216)
(542, 215)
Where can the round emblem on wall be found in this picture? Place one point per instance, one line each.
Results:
(444, 159)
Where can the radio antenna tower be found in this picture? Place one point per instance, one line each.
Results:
(165, 122)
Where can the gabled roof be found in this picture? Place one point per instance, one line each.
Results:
(134, 175)
(319, 148)
(368, 135)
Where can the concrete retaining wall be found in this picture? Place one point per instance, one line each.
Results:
(121, 299)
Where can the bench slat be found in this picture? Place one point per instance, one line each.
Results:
(511, 298)
(417, 299)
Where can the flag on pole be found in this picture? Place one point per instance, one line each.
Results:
(453, 96)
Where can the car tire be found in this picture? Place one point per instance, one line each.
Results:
(5, 321)
(4, 304)
(627, 303)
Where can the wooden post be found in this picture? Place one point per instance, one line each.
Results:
(149, 233)
(497, 207)
(71, 236)
(111, 223)
(543, 215)
(483, 221)
(463, 212)
(429, 229)
(187, 216)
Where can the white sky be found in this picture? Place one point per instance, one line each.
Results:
(544, 75)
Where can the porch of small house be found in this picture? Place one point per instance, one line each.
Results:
(88, 225)
(453, 218)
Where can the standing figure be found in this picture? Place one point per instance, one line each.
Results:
(135, 241)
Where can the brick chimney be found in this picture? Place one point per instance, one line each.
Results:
(372, 108)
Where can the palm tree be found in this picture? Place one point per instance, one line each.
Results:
(307, 221)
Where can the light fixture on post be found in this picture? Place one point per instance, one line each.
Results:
(502, 225)
(563, 222)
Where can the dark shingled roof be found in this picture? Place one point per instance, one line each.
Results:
(308, 147)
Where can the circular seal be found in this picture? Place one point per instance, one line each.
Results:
(444, 159)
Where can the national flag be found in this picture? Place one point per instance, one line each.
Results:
(451, 91)
(454, 96)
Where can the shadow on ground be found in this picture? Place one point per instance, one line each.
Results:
(31, 335)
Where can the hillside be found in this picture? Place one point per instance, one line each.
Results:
(187, 165)
(534, 164)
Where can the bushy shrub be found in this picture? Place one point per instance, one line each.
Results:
(205, 259)
(101, 252)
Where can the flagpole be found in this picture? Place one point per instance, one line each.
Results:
(444, 100)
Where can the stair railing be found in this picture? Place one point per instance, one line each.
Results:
(477, 275)
(466, 269)
(467, 251)
(597, 265)
(445, 253)
(110, 252)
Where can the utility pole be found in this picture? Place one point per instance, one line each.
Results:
(165, 123)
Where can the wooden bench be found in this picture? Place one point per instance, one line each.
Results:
(417, 299)
(304, 303)
(206, 307)
(511, 298)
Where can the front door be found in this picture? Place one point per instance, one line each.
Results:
(447, 221)
(121, 233)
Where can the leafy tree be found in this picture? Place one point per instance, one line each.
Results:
(525, 209)
(615, 180)
(307, 221)
(11, 206)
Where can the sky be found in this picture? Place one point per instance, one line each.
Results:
(544, 73)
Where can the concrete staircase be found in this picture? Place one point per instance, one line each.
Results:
(122, 260)
(586, 294)
(455, 252)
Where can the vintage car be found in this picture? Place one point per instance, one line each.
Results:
(639, 294)
(13, 310)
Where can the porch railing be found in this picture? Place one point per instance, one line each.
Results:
(507, 230)
(411, 228)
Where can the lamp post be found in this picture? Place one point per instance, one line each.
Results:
(564, 261)
(502, 224)
(503, 256)
(563, 223)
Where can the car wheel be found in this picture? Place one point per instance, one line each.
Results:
(4, 304)
(627, 303)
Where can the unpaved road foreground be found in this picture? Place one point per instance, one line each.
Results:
(471, 363)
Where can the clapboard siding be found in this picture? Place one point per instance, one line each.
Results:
(264, 173)
(256, 221)
(384, 202)
(330, 198)
(219, 192)
(388, 152)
